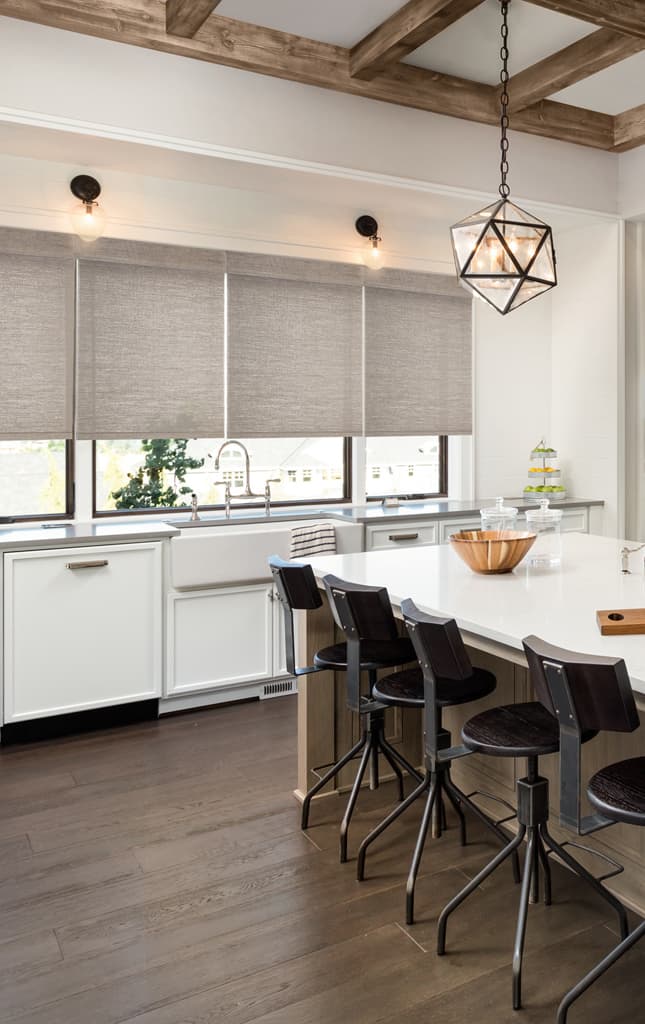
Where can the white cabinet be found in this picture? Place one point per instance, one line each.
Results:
(575, 519)
(449, 526)
(223, 637)
(400, 535)
(82, 628)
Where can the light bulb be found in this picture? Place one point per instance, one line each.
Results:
(374, 256)
(88, 219)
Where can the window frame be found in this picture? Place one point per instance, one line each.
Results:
(305, 503)
(443, 480)
(70, 495)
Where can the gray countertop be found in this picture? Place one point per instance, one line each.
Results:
(26, 539)
(18, 538)
(374, 513)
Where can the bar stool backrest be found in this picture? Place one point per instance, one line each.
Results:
(442, 654)
(438, 644)
(595, 690)
(587, 694)
(297, 590)
(362, 612)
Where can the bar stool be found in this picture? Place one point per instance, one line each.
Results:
(618, 794)
(528, 730)
(445, 679)
(591, 694)
(372, 642)
(297, 590)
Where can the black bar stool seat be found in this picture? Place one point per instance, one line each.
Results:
(618, 791)
(375, 654)
(406, 688)
(513, 730)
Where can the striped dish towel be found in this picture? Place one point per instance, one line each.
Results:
(313, 540)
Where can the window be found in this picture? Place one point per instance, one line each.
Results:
(410, 466)
(35, 480)
(134, 475)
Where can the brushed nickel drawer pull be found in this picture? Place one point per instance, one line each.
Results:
(98, 564)
(403, 536)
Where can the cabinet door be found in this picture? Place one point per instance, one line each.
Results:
(574, 519)
(220, 637)
(82, 629)
(279, 655)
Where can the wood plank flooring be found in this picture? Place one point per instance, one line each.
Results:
(156, 874)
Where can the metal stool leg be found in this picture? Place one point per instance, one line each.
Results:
(334, 770)
(587, 877)
(353, 797)
(457, 900)
(418, 850)
(374, 768)
(453, 795)
(598, 971)
(381, 827)
(395, 768)
(534, 896)
(400, 759)
(493, 826)
(528, 884)
(546, 867)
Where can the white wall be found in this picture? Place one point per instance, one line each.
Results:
(512, 366)
(74, 82)
(588, 366)
(635, 382)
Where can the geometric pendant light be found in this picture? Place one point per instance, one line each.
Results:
(504, 254)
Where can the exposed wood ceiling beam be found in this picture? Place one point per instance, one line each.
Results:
(406, 30)
(269, 52)
(630, 129)
(626, 16)
(585, 57)
(186, 17)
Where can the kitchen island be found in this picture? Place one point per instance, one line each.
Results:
(494, 614)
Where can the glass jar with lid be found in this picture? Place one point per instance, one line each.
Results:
(545, 522)
(499, 516)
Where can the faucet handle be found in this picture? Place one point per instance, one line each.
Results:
(267, 485)
(223, 483)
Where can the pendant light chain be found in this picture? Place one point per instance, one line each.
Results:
(504, 189)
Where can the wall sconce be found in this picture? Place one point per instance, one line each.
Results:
(367, 227)
(88, 217)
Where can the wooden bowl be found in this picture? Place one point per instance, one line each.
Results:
(492, 551)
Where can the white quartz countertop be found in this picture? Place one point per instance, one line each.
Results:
(557, 604)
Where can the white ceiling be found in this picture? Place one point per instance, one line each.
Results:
(342, 22)
(468, 49)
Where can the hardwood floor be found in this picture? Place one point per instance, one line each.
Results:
(156, 874)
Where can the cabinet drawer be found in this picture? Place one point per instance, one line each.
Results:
(401, 535)
(82, 629)
(449, 526)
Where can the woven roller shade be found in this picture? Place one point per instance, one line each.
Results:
(294, 348)
(418, 355)
(36, 336)
(150, 344)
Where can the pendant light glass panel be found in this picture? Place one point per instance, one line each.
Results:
(504, 254)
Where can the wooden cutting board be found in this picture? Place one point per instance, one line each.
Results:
(621, 621)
